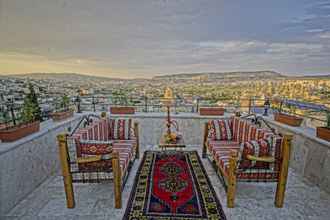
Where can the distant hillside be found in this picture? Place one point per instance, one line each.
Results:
(312, 77)
(225, 75)
(59, 76)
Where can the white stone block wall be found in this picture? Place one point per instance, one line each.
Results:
(153, 125)
(26, 163)
(310, 156)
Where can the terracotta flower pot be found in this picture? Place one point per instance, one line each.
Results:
(211, 111)
(19, 131)
(122, 110)
(323, 133)
(60, 116)
(288, 119)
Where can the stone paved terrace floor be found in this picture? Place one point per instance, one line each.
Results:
(95, 201)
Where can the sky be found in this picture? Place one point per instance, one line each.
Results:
(144, 38)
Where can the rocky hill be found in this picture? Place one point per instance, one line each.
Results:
(59, 76)
(224, 76)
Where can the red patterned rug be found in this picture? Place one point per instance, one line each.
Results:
(172, 185)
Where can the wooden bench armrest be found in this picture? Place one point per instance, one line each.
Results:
(89, 159)
(267, 159)
(94, 158)
(234, 153)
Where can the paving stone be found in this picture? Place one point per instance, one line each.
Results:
(57, 207)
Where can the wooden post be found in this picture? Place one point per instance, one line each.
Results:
(116, 179)
(67, 177)
(136, 131)
(284, 168)
(231, 191)
(168, 120)
(206, 132)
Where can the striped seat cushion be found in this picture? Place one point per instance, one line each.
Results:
(126, 154)
(247, 138)
(103, 137)
(87, 148)
(121, 129)
(221, 151)
(222, 157)
(132, 141)
(218, 145)
(220, 129)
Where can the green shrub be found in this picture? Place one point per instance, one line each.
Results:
(65, 103)
(328, 120)
(31, 109)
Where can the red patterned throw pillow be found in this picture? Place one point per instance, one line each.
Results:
(93, 147)
(259, 148)
(220, 130)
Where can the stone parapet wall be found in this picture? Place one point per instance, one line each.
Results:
(310, 156)
(26, 163)
(153, 125)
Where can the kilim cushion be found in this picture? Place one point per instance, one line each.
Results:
(104, 137)
(236, 121)
(220, 129)
(120, 129)
(89, 148)
(215, 146)
(125, 154)
(259, 148)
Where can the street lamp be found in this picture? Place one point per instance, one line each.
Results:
(78, 101)
(10, 107)
(266, 107)
(167, 102)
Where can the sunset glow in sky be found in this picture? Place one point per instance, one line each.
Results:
(122, 38)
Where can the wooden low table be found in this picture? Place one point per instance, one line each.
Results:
(178, 144)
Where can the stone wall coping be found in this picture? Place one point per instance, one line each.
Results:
(173, 115)
(45, 127)
(49, 125)
(307, 132)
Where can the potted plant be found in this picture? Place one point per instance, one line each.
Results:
(288, 119)
(237, 110)
(30, 123)
(5, 119)
(122, 110)
(211, 111)
(64, 112)
(324, 132)
(103, 115)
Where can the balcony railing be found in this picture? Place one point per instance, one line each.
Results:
(11, 112)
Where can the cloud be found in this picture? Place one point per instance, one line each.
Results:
(317, 30)
(232, 46)
(325, 35)
(294, 48)
(259, 47)
(184, 56)
(143, 38)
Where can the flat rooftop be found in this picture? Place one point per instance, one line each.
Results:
(95, 201)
